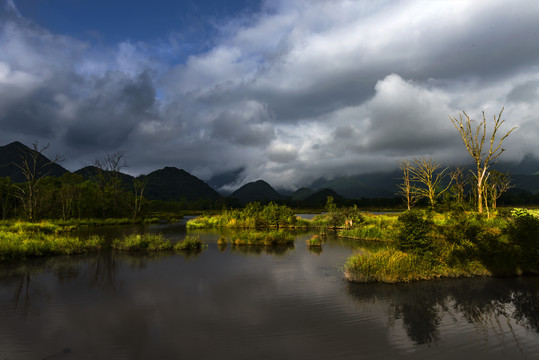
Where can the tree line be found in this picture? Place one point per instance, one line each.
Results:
(104, 193)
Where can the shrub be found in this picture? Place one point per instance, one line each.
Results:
(190, 244)
(265, 238)
(415, 233)
(145, 242)
(523, 232)
(315, 240)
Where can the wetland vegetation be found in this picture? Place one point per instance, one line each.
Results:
(419, 244)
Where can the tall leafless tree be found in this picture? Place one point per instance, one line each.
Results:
(459, 180)
(107, 177)
(425, 172)
(33, 172)
(405, 188)
(495, 185)
(483, 156)
(138, 187)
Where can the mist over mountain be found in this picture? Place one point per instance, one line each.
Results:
(173, 184)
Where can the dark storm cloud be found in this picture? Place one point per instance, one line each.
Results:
(297, 91)
(527, 92)
(250, 126)
(113, 107)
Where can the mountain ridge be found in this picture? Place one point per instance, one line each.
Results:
(171, 183)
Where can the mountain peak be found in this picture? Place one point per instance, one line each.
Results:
(171, 183)
(256, 191)
(11, 158)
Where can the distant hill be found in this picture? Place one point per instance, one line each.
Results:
(319, 198)
(301, 194)
(376, 185)
(256, 191)
(173, 184)
(219, 180)
(526, 182)
(529, 165)
(91, 172)
(14, 153)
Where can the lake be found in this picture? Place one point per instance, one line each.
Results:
(249, 302)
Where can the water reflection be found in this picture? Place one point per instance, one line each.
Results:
(259, 250)
(487, 304)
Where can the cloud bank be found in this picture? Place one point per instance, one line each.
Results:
(296, 91)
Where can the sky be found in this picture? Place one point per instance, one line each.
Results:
(282, 90)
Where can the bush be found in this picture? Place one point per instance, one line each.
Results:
(145, 242)
(523, 232)
(264, 238)
(315, 240)
(415, 233)
(190, 244)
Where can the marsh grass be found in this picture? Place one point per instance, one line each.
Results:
(156, 242)
(373, 227)
(314, 241)
(392, 265)
(15, 245)
(44, 227)
(19, 239)
(263, 238)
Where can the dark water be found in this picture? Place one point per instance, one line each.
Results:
(251, 303)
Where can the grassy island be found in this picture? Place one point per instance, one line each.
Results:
(428, 245)
(19, 239)
(156, 242)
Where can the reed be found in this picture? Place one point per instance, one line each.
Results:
(15, 245)
(156, 242)
(263, 238)
(392, 265)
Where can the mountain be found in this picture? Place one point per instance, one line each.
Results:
(219, 180)
(375, 185)
(173, 184)
(91, 173)
(319, 199)
(526, 182)
(15, 152)
(529, 165)
(256, 191)
(301, 194)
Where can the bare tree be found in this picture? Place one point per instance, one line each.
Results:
(495, 185)
(107, 177)
(138, 186)
(474, 140)
(459, 183)
(34, 172)
(426, 172)
(405, 188)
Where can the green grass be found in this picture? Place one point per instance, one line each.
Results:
(190, 244)
(16, 245)
(263, 238)
(19, 239)
(314, 241)
(156, 242)
(373, 227)
(392, 265)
